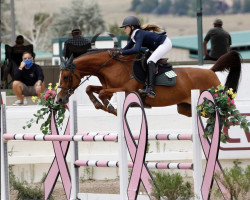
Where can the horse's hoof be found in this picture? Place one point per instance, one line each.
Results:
(98, 105)
(110, 108)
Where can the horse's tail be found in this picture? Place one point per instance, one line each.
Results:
(232, 63)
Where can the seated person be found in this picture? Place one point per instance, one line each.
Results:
(28, 80)
(77, 45)
(13, 58)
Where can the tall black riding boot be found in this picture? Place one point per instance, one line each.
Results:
(151, 79)
(144, 90)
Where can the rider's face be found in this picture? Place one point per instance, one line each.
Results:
(127, 30)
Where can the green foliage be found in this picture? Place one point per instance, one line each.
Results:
(5, 22)
(84, 14)
(47, 101)
(236, 181)
(180, 7)
(246, 7)
(148, 6)
(227, 111)
(116, 30)
(25, 190)
(134, 5)
(163, 7)
(170, 186)
(188, 7)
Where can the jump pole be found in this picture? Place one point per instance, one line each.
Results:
(197, 156)
(123, 159)
(74, 148)
(5, 189)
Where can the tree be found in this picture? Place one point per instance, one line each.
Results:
(83, 14)
(163, 7)
(180, 7)
(115, 29)
(147, 6)
(246, 7)
(37, 34)
(135, 4)
(5, 22)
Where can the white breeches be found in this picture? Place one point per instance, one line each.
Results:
(161, 51)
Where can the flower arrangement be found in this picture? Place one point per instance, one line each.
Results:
(47, 101)
(227, 111)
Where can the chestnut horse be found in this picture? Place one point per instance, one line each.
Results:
(115, 74)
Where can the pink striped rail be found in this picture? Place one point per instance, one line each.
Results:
(91, 137)
(151, 165)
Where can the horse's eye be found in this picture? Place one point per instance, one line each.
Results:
(65, 78)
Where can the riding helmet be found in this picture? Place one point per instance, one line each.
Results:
(131, 21)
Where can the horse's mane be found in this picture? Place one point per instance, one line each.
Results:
(94, 51)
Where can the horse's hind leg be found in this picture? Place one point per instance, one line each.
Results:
(184, 109)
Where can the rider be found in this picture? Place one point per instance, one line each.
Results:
(150, 36)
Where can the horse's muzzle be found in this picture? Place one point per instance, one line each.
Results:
(63, 100)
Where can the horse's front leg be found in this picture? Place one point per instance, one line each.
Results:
(95, 89)
(105, 95)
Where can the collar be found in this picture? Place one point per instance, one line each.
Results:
(133, 35)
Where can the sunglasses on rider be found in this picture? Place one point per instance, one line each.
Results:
(27, 58)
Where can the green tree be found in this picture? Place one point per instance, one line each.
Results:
(83, 14)
(209, 7)
(246, 7)
(163, 7)
(115, 29)
(147, 6)
(135, 4)
(180, 7)
(237, 7)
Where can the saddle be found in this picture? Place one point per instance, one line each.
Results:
(165, 73)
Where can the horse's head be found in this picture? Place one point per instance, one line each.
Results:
(68, 80)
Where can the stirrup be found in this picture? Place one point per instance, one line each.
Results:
(144, 90)
(151, 93)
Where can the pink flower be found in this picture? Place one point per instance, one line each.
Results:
(45, 96)
(216, 95)
(232, 102)
(49, 94)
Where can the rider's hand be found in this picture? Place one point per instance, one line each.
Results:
(116, 53)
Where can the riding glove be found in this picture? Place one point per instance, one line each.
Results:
(117, 53)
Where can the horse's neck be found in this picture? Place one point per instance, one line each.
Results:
(101, 65)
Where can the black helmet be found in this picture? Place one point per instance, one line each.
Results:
(131, 21)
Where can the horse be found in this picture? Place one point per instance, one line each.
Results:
(115, 74)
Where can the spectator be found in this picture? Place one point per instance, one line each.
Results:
(77, 40)
(16, 56)
(28, 80)
(19, 41)
(12, 60)
(220, 41)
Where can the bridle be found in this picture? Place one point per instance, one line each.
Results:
(70, 89)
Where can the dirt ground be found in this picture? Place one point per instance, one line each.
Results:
(110, 187)
(92, 186)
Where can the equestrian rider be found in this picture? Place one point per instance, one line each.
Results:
(156, 41)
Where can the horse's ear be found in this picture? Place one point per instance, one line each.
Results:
(70, 60)
(62, 65)
(62, 59)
